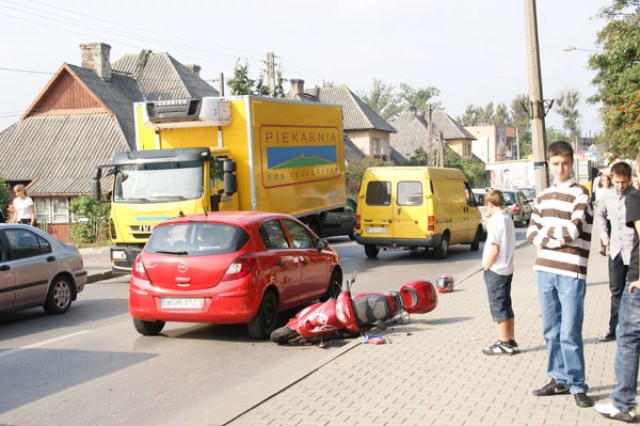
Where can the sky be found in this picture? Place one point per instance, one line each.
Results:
(473, 51)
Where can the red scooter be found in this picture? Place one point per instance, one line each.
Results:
(349, 316)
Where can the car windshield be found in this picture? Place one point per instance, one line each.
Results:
(509, 198)
(196, 238)
(158, 182)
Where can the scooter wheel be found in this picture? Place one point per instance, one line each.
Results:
(283, 335)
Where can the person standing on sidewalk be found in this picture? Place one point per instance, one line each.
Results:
(561, 229)
(617, 237)
(623, 399)
(497, 263)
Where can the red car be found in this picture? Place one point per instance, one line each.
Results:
(230, 268)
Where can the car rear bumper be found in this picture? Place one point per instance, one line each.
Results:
(223, 304)
(432, 241)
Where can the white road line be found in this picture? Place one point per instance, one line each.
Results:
(44, 342)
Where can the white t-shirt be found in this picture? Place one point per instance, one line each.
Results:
(22, 207)
(501, 232)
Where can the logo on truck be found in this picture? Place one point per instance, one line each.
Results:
(296, 155)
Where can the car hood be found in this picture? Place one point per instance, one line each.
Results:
(170, 271)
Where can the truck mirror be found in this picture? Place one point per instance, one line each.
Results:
(97, 192)
(230, 183)
(229, 166)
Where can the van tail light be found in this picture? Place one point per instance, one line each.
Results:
(241, 267)
(357, 222)
(138, 269)
(516, 208)
(431, 224)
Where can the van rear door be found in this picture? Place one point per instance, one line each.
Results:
(377, 218)
(409, 213)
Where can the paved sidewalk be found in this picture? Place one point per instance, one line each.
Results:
(97, 263)
(434, 373)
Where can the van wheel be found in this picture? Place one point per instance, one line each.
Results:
(371, 251)
(443, 251)
(475, 245)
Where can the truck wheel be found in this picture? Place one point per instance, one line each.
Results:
(148, 328)
(443, 251)
(371, 251)
(475, 245)
(265, 321)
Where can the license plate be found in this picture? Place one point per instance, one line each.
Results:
(376, 230)
(181, 303)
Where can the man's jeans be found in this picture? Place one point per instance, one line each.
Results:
(627, 347)
(562, 303)
(617, 279)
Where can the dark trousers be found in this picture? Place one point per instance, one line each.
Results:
(617, 279)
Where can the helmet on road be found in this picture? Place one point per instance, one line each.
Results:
(444, 284)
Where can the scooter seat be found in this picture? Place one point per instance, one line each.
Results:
(371, 308)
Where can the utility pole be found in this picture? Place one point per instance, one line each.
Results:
(536, 101)
(441, 149)
(271, 73)
(431, 158)
(221, 85)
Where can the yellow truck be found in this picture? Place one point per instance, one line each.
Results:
(232, 153)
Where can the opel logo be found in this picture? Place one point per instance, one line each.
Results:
(182, 267)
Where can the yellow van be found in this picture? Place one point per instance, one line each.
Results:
(416, 207)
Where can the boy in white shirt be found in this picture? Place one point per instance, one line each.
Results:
(497, 262)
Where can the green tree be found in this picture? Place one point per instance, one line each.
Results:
(240, 83)
(501, 116)
(355, 171)
(519, 112)
(5, 197)
(617, 77)
(382, 99)
(418, 98)
(92, 218)
(566, 104)
(473, 169)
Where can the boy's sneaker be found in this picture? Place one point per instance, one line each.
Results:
(514, 346)
(498, 348)
(608, 410)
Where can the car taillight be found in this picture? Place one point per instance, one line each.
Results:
(358, 222)
(516, 208)
(240, 267)
(138, 270)
(431, 223)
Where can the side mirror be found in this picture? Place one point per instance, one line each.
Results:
(97, 191)
(321, 244)
(230, 184)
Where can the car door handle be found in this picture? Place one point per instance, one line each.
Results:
(304, 260)
(5, 267)
(51, 259)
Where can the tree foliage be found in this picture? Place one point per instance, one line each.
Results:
(5, 197)
(387, 101)
(474, 170)
(242, 84)
(566, 104)
(617, 77)
(92, 218)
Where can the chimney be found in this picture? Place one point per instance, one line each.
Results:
(95, 56)
(296, 91)
(194, 69)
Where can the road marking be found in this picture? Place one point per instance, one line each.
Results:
(45, 342)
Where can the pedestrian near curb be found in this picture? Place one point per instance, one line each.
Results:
(561, 229)
(617, 238)
(623, 399)
(497, 263)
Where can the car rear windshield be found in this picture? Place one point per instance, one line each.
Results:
(197, 238)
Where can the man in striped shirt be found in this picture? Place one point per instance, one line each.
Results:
(561, 229)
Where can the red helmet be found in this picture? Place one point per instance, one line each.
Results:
(444, 284)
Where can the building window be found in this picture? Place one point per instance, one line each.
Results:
(52, 209)
(376, 147)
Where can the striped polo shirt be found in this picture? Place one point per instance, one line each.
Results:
(561, 228)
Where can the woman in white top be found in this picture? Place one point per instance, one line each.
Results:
(24, 211)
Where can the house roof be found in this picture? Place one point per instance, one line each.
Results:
(79, 120)
(351, 151)
(58, 152)
(413, 131)
(357, 115)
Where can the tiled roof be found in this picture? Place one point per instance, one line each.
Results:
(351, 151)
(356, 114)
(59, 152)
(413, 131)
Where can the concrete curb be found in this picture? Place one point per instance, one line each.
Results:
(92, 278)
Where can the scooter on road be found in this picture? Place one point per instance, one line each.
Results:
(348, 315)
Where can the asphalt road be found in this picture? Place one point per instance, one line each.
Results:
(89, 366)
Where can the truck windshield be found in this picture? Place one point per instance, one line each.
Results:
(158, 182)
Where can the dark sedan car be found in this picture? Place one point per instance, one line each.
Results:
(338, 222)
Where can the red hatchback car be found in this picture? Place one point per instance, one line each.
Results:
(230, 268)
